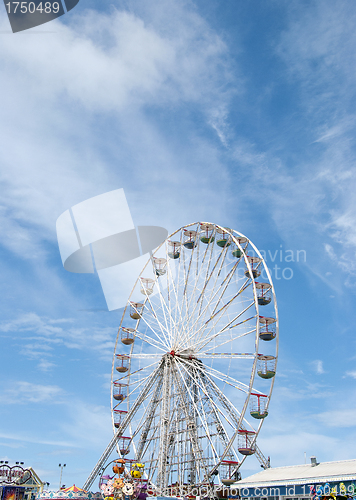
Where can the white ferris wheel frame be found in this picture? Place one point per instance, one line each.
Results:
(164, 343)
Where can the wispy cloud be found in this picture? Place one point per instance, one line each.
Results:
(23, 392)
(99, 69)
(317, 365)
(41, 336)
(338, 418)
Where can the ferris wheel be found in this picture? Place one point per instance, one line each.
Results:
(195, 358)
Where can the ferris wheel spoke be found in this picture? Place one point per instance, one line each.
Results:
(243, 288)
(194, 285)
(193, 438)
(207, 394)
(198, 380)
(130, 374)
(164, 305)
(207, 339)
(173, 321)
(227, 379)
(221, 256)
(178, 310)
(235, 415)
(145, 356)
(229, 341)
(139, 384)
(222, 286)
(144, 317)
(144, 337)
(227, 304)
(195, 251)
(201, 313)
(226, 355)
(184, 296)
(222, 432)
(204, 419)
(214, 314)
(225, 283)
(158, 322)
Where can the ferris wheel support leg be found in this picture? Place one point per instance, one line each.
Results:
(109, 449)
(150, 415)
(265, 462)
(164, 427)
(197, 452)
(223, 436)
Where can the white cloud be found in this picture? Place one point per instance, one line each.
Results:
(101, 63)
(310, 195)
(317, 365)
(41, 335)
(330, 251)
(22, 392)
(338, 418)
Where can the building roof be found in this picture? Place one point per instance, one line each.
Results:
(299, 474)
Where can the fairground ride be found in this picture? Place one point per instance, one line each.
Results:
(195, 360)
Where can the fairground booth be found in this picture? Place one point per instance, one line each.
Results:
(18, 483)
(72, 493)
(320, 481)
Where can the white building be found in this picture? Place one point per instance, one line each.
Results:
(300, 482)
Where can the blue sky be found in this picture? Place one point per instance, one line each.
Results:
(237, 112)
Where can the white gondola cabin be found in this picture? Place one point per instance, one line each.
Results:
(258, 406)
(136, 309)
(267, 328)
(264, 293)
(223, 237)
(159, 265)
(147, 285)
(120, 391)
(266, 366)
(119, 416)
(236, 252)
(127, 335)
(254, 263)
(207, 233)
(124, 445)
(122, 363)
(189, 239)
(174, 249)
(229, 472)
(246, 442)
